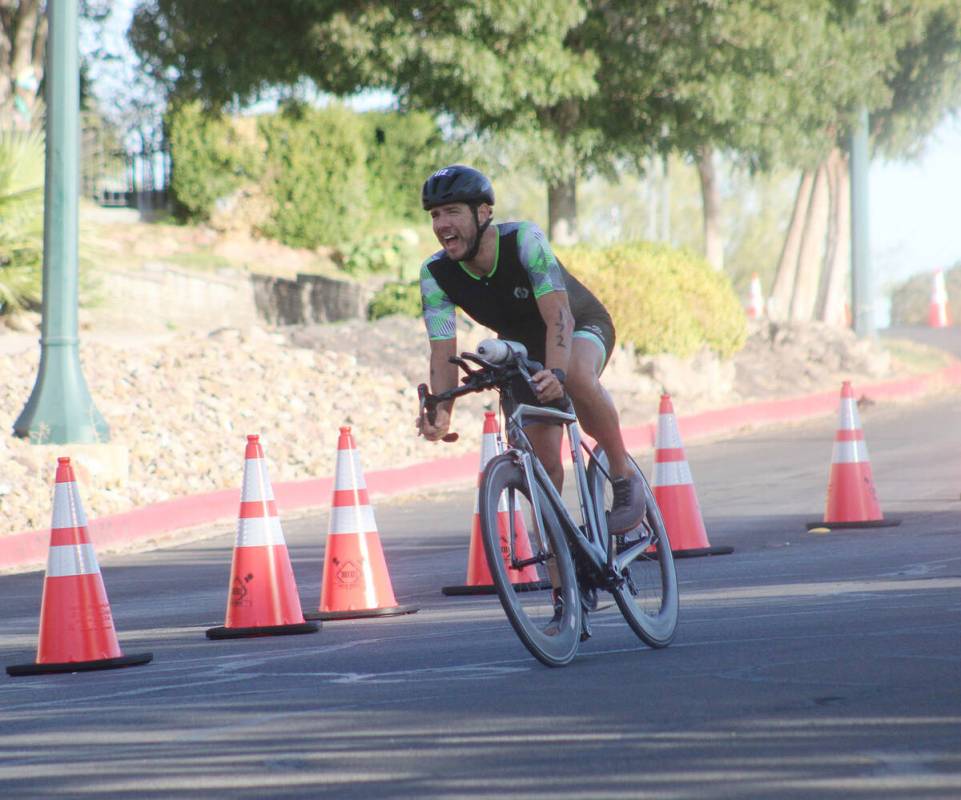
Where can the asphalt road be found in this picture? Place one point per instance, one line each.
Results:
(806, 665)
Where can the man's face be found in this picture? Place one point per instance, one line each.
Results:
(454, 227)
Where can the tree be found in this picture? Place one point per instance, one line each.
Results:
(910, 80)
(488, 65)
(23, 38)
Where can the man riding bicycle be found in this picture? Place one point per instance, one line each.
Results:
(507, 278)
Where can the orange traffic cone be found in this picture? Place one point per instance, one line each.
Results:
(479, 579)
(852, 500)
(355, 581)
(755, 306)
(262, 598)
(674, 490)
(76, 626)
(939, 315)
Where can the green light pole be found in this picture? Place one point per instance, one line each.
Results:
(862, 279)
(60, 409)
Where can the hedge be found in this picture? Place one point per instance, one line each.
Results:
(315, 174)
(911, 300)
(663, 300)
(402, 150)
(210, 158)
(396, 297)
(329, 172)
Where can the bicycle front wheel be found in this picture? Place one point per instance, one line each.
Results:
(549, 630)
(647, 594)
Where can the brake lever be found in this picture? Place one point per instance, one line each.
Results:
(431, 412)
(477, 360)
(459, 361)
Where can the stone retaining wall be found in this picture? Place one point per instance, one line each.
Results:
(230, 298)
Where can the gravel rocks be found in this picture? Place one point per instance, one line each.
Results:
(183, 403)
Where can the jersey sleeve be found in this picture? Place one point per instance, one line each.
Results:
(439, 314)
(538, 259)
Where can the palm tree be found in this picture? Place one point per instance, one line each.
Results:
(21, 221)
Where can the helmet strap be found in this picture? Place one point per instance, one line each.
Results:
(471, 254)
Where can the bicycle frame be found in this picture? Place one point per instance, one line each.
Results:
(603, 561)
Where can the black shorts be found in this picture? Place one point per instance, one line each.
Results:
(599, 330)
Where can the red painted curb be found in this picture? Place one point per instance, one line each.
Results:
(25, 551)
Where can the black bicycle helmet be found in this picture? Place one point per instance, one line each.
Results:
(457, 184)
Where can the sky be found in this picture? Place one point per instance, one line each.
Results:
(913, 206)
(915, 210)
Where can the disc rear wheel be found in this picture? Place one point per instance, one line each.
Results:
(509, 532)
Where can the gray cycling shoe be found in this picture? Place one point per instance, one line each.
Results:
(554, 625)
(627, 510)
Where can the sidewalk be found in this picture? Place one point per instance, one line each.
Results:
(23, 552)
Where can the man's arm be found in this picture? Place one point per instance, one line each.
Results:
(443, 376)
(442, 332)
(547, 280)
(557, 316)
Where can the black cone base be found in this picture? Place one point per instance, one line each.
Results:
(80, 666)
(697, 552)
(361, 613)
(263, 630)
(460, 591)
(887, 522)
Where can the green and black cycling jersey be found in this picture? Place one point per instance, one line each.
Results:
(505, 300)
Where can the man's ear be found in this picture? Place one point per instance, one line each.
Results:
(484, 212)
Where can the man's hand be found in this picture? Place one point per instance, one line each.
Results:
(547, 387)
(437, 430)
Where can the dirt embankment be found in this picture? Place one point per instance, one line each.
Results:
(182, 403)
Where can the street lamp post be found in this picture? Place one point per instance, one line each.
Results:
(60, 409)
(862, 282)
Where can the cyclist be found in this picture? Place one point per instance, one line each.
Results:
(507, 278)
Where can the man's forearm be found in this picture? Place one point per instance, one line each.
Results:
(560, 336)
(443, 374)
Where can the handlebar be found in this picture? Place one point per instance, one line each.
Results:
(498, 361)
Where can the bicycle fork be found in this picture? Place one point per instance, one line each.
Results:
(542, 554)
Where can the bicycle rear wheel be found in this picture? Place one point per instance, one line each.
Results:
(647, 596)
(511, 537)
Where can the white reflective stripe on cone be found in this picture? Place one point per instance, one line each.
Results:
(850, 452)
(256, 483)
(352, 519)
(67, 509)
(668, 436)
(72, 559)
(348, 473)
(259, 532)
(672, 473)
(489, 448)
(850, 420)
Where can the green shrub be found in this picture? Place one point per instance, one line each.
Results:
(373, 255)
(315, 174)
(663, 300)
(21, 221)
(396, 298)
(402, 150)
(911, 300)
(211, 158)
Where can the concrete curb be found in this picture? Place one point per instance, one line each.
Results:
(22, 552)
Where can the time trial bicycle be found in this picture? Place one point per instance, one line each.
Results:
(527, 526)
